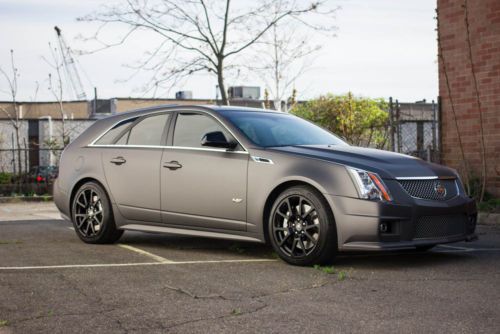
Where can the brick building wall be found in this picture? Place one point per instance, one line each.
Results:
(484, 27)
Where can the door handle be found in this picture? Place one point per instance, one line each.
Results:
(118, 161)
(172, 165)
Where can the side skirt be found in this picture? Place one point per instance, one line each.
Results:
(181, 231)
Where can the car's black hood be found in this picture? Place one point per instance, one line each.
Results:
(387, 164)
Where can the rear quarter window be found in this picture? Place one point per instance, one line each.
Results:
(109, 137)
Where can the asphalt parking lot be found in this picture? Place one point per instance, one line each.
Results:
(51, 282)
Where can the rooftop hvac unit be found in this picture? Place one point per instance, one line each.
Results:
(184, 95)
(244, 92)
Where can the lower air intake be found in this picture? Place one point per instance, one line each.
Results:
(431, 227)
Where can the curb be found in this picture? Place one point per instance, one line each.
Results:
(485, 218)
(19, 199)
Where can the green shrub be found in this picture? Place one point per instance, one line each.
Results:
(5, 178)
(361, 121)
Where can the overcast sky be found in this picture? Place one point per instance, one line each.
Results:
(383, 48)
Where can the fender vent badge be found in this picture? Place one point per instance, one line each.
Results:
(262, 160)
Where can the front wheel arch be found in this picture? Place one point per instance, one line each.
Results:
(276, 192)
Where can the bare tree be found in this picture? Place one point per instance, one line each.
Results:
(200, 35)
(282, 55)
(14, 115)
(56, 89)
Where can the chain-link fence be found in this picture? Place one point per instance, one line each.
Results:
(415, 129)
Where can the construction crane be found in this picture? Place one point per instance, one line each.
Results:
(69, 65)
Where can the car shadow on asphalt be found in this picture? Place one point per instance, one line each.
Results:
(393, 259)
(400, 259)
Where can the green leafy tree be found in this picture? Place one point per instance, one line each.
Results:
(361, 121)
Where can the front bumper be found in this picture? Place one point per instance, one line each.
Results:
(369, 225)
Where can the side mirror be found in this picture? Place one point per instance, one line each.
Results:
(217, 139)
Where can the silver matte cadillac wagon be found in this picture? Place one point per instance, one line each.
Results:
(255, 175)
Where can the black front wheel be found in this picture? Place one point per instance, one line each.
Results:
(301, 227)
(92, 217)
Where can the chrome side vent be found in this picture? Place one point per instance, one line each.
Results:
(262, 160)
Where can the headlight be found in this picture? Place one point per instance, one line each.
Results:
(369, 185)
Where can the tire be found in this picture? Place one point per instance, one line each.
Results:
(92, 215)
(302, 228)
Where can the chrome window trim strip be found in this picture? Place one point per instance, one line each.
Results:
(172, 147)
(93, 143)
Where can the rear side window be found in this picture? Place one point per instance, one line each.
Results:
(148, 131)
(109, 137)
(190, 129)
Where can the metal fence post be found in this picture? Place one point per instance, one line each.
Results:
(398, 128)
(391, 125)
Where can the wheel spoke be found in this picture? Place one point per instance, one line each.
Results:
(91, 197)
(84, 197)
(310, 238)
(91, 224)
(289, 206)
(285, 229)
(80, 222)
(294, 245)
(303, 247)
(308, 212)
(299, 211)
(308, 227)
(285, 239)
(282, 214)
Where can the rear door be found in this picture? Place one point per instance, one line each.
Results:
(203, 187)
(132, 168)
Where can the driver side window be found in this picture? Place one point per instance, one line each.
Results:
(190, 129)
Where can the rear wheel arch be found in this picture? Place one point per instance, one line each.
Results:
(77, 186)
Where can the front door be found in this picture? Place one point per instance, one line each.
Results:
(132, 169)
(200, 186)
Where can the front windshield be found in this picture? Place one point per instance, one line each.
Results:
(277, 129)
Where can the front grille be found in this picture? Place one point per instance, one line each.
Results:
(429, 189)
(430, 227)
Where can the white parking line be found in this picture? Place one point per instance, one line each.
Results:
(465, 250)
(105, 265)
(148, 254)
(455, 247)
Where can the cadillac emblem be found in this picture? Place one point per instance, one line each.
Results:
(439, 189)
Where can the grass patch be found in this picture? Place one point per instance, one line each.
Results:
(342, 275)
(491, 205)
(236, 312)
(330, 270)
(3, 323)
(10, 242)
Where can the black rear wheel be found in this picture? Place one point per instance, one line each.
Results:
(302, 228)
(92, 217)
